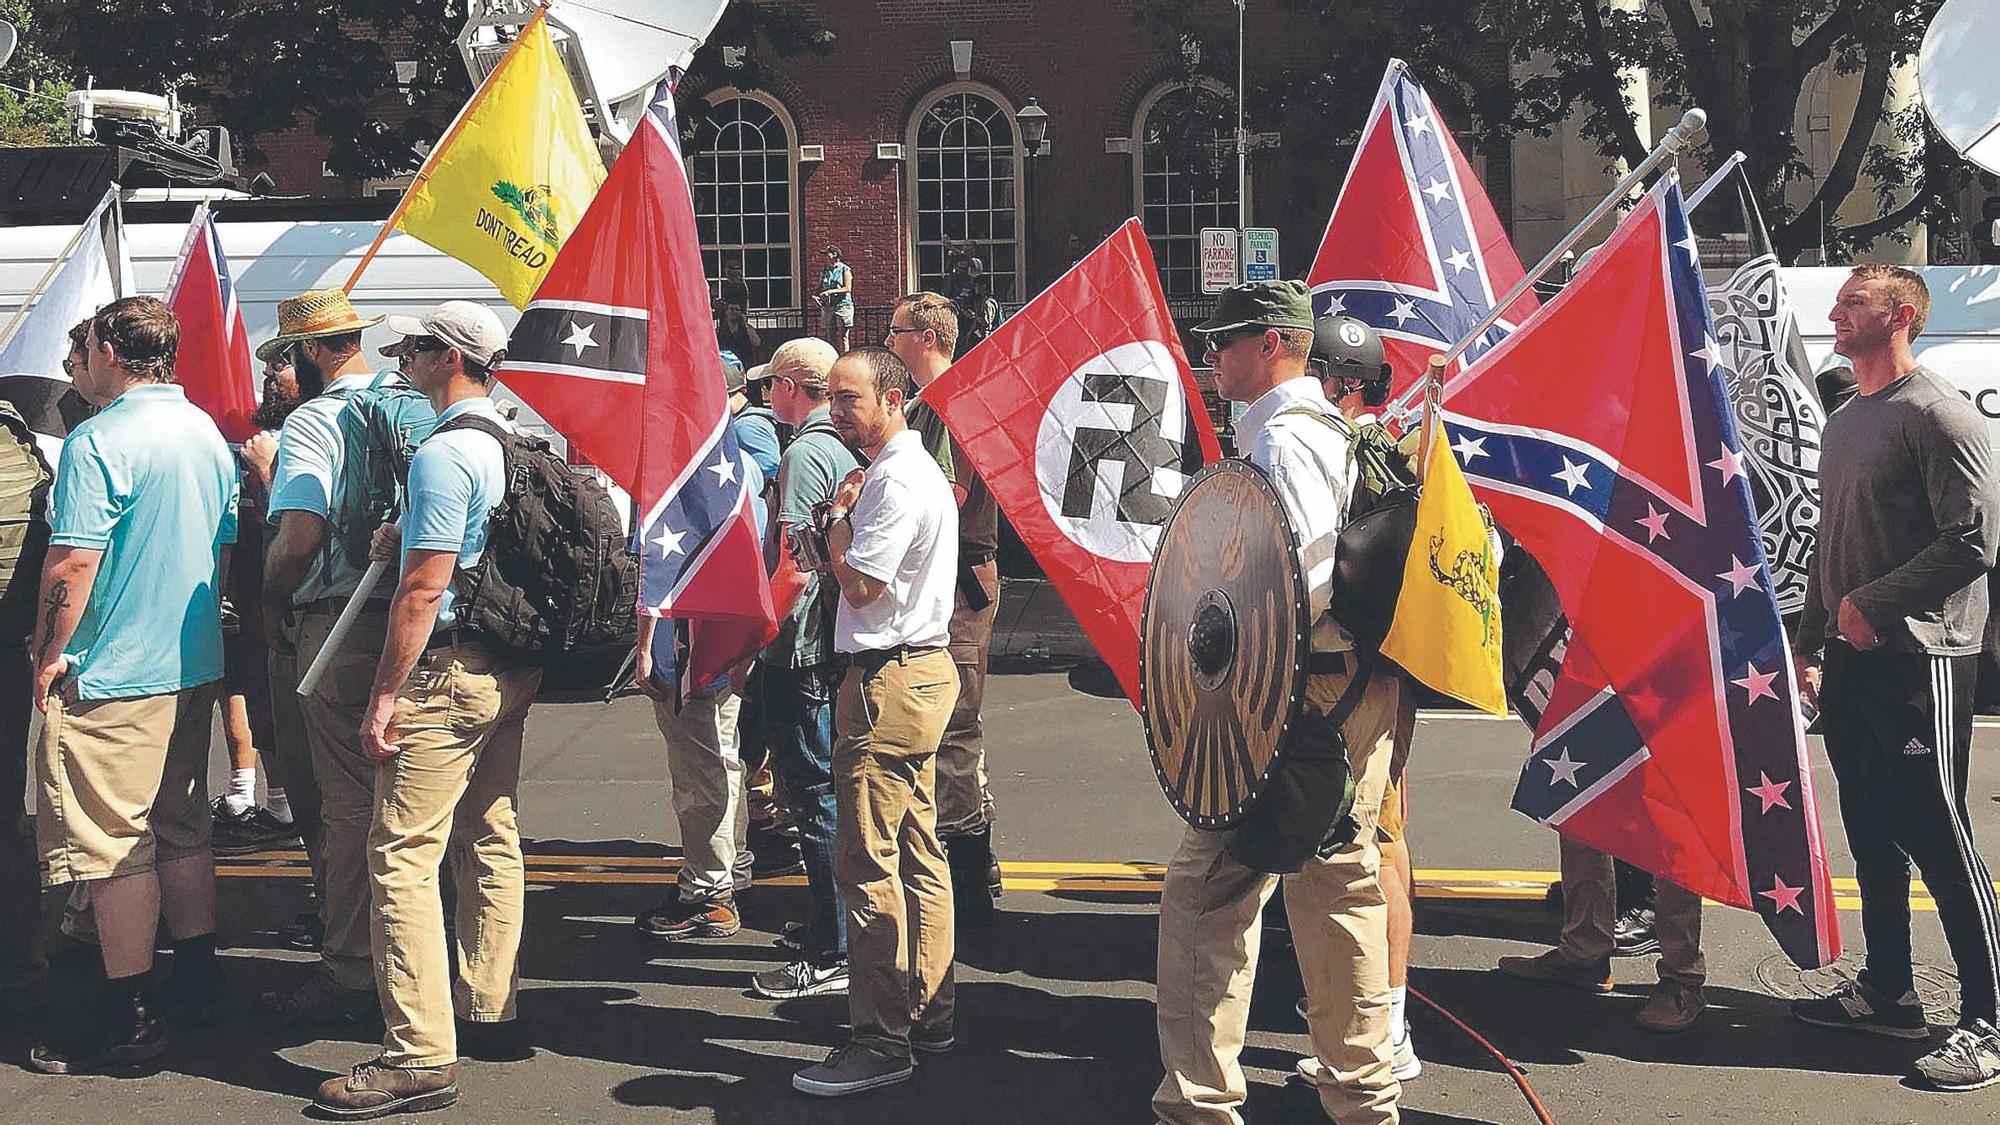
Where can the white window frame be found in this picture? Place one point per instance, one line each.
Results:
(912, 240)
(1138, 150)
(790, 153)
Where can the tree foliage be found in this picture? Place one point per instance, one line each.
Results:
(264, 67)
(31, 112)
(1747, 62)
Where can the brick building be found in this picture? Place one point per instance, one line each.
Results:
(905, 139)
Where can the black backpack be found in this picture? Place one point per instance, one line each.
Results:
(1374, 543)
(558, 577)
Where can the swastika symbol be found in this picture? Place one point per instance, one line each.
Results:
(1137, 452)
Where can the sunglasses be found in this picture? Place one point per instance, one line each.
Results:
(895, 331)
(1219, 342)
(415, 344)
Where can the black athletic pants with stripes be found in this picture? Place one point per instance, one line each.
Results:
(1898, 729)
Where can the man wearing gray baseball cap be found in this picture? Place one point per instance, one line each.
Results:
(470, 327)
(443, 724)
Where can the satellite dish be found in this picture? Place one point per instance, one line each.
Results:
(630, 44)
(1959, 84)
(8, 37)
(618, 50)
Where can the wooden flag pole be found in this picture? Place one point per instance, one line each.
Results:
(49, 275)
(444, 143)
(1433, 392)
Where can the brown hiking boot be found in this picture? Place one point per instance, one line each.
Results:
(375, 1089)
(683, 921)
(1554, 968)
(1673, 1007)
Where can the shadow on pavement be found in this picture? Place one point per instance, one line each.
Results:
(1543, 1025)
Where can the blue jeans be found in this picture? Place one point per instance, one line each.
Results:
(795, 717)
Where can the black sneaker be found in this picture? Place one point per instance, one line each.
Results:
(850, 1070)
(800, 978)
(306, 932)
(1969, 1059)
(794, 937)
(122, 1042)
(775, 858)
(1632, 934)
(1858, 1007)
(252, 830)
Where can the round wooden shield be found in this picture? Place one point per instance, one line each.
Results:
(1222, 654)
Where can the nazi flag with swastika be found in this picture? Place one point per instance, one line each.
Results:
(1083, 417)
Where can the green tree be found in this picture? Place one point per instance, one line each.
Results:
(31, 101)
(262, 67)
(1744, 61)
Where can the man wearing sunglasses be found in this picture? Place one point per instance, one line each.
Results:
(1258, 342)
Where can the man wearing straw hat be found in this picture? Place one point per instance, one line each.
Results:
(307, 580)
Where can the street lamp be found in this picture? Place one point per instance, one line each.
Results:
(1034, 124)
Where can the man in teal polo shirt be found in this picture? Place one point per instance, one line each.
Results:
(128, 653)
(443, 723)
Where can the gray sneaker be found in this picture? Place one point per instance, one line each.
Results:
(850, 1070)
(1969, 1059)
(800, 978)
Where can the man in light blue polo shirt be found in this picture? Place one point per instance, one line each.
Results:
(128, 654)
(444, 721)
(308, 577)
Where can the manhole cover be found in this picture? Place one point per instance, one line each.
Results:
(1936, 988)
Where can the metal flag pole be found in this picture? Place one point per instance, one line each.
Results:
(1691, 123)
(1712, 182)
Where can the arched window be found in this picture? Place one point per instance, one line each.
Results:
(1184, 177)
(964, 193)
(742, 157)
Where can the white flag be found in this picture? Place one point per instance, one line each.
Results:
(97, 272)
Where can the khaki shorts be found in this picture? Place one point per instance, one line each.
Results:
(124, 783)
(1395, 816)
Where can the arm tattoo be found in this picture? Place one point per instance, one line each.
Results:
(56, 602)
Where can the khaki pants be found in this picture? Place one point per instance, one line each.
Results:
(1590, 908)
(1210, 932)
(292, 753)
(964, 803)
(450, 793)
(888, 863)
(709, 803)
(331, 716)
(124, 783)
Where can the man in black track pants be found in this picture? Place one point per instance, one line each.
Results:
(1898, 600)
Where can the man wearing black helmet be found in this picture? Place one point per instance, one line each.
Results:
(1347, 359)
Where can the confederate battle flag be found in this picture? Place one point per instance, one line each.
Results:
(1084, 419)
(617, 352)
(1602, 437)
(1414, 247)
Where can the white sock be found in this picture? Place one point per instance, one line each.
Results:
(242, 791)
(1398, 1030)
(279, 806)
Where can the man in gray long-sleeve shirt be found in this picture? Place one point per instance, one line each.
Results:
(1896, 596)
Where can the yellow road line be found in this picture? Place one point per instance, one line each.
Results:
(1138, 879)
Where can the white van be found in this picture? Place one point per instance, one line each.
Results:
(1961, 341)
(271, 261)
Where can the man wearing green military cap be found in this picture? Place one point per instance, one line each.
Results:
(1259, 342)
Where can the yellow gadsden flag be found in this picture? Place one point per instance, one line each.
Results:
(513, 175)
(1446, 631)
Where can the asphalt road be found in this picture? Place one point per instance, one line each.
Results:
(1056, 1001)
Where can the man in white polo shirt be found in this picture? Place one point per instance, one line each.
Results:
(892, 542)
